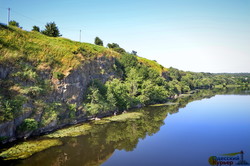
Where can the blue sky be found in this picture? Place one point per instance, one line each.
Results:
(193, 35)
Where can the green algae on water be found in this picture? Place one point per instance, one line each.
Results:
(26, 149)
(84, 129)
(161, 105)
(125, 116)
(73, 131)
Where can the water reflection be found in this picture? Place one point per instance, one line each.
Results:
(99, 145)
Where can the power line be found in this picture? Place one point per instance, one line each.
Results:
(35, 20)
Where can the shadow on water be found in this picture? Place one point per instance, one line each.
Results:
(99, 145)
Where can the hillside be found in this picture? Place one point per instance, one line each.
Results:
(47, 82)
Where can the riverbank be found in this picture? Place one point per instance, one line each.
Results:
(17, 151)
(50, 82)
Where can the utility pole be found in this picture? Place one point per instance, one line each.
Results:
(8, 16)
(80, 35)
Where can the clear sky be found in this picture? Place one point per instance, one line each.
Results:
(191, 35)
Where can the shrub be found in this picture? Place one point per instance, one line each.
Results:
(79, 50)
(33, 91)
(51, 30)
(14, 23)
(116, 48)
(58, 75)
(26, 74)
(50, 112)
(28, 125)
(10, 108)
(72, 110)
(98, 41)
(35, 28)
(3, 138)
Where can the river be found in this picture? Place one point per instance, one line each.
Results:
(186, 132)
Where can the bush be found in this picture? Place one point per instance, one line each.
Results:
(14, 23)
(98, 41)
(33, 91)
(116, 48)
(28, 125)
(35, 28)
(58, 75)
(10, 108)
(128, 61)
(51, 30)
(27, 73)
(72, 110)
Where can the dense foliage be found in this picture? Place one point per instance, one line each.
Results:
(35, 28)
(143, 85)
(138, 81)
(14, 23)
(51, 30)
(98, 41)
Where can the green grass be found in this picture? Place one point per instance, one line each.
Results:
(26, 149)
(58, 53)
(153, 64)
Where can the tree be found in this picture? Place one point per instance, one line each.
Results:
(35, 28)
(116, 48)
(14, 23)
(113, 45)
(98, 41)
(134, 52)
(51, 30)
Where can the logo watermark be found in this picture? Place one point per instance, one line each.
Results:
(228, 159)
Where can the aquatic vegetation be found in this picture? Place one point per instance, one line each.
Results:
(26, 149)
(101, 122)
(73, 131)
(164, 104)
(125, 116)
(84, 129)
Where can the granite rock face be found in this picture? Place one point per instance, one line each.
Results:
(72, 88)
(69, 90)
(4, 71)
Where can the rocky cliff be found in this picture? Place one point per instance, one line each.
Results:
(67, 91)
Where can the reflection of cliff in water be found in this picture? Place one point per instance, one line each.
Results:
(102, 141)
(96, 147)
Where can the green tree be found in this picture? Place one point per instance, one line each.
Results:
(128, 61)
(134, 52)
(113, 45)
(151, 93)
(35, 28)
(98, 41)
(14, 23)
(120, 93)
(116, 48)
(28, 125)
(94, 98)
(51, 30)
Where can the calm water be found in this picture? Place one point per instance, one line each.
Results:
(175, 135)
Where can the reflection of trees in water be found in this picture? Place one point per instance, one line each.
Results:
(96, 147)
(101, 142)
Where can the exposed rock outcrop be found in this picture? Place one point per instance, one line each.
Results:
(69, 90)
(72, 88)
